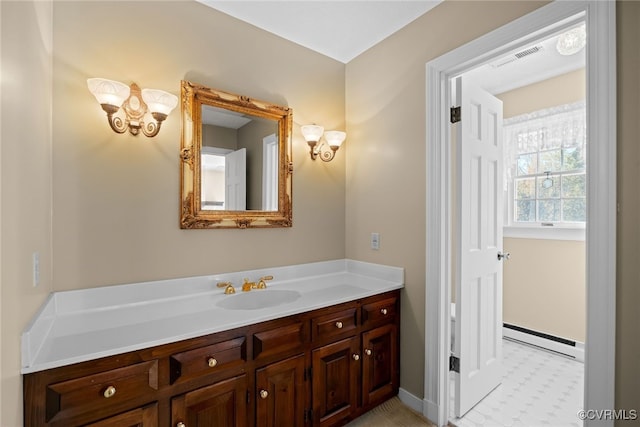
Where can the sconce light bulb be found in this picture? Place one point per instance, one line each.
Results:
(312, 133)
(335, 138)
(159, 101)
(109, 92)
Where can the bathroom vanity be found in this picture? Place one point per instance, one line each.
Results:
(321, 350)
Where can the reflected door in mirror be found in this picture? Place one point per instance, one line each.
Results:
(236, 163)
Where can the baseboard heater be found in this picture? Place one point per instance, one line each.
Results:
(563, 346)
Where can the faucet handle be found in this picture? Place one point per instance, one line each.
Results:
(229, 287)
(261, 282)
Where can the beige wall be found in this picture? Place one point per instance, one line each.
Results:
(540, 292)
(563, 89)
(544, 282)
(628, 233)
(387, 152)
(25, 167)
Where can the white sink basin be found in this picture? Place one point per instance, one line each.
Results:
(257, 299)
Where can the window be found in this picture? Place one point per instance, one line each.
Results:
(545, 166)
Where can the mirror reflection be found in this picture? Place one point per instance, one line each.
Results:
(235, 160)
(239, 161)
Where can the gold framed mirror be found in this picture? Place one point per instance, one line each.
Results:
(235, 161)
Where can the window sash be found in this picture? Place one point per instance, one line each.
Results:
(554, 139)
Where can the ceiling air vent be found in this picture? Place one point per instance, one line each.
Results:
(514, 57)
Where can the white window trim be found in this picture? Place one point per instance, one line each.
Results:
(537, 231)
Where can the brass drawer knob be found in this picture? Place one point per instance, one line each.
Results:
(181, 424)
(339, 325)
(109, 392)
(368, 352)
(212, 362)
(264, 394)
(384, 311)
(356, 356)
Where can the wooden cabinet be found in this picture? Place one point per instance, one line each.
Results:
(323, 368)
(280, 393)
(221, 404)
(335, 370)
(380, 374)
(361, 369)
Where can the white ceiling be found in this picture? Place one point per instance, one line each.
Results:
(339, 29)
(343, 29)
(509, 72)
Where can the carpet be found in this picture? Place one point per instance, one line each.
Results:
(392, 413)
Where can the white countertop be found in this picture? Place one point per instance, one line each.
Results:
(81, 325)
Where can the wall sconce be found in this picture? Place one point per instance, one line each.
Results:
(135, 103)
(334, 138)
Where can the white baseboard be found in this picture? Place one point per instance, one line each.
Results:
(430, 411)
(576, 352)
(424, 407)
(410, 400)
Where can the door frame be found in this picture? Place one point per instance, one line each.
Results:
(599, 384)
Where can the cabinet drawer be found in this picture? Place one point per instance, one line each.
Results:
(379, 311)
(210, 359)
(108, 391)
(334, 324)
(140, 417)
(280, 340)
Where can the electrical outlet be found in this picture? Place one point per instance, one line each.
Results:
(375, 241)
(36, 269)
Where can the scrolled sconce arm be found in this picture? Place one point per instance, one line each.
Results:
(327, 156)
(116, 123)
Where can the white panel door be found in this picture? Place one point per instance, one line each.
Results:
(478, 342)
(235, 174)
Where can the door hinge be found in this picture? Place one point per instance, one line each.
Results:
(248, 397)
(454, 364)
(455, 114)
(307, 374)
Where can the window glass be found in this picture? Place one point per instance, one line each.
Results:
(545, 165)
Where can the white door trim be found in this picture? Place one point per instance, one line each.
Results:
(601, 209)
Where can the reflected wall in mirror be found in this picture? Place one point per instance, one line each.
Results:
(235, 161)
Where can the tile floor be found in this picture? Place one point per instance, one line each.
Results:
(539, 388)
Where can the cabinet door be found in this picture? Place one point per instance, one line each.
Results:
(280, 393)
(217, 405)
(335, 381)
(379, 364)
(141, 417)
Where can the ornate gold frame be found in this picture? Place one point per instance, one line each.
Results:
(193, 96)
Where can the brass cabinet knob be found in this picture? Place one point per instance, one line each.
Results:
(212, 362)
(384, 311)
(339, 325)
(181, 424)
(356, 356)
(368, 352)
(110, 391)
(264, 394)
